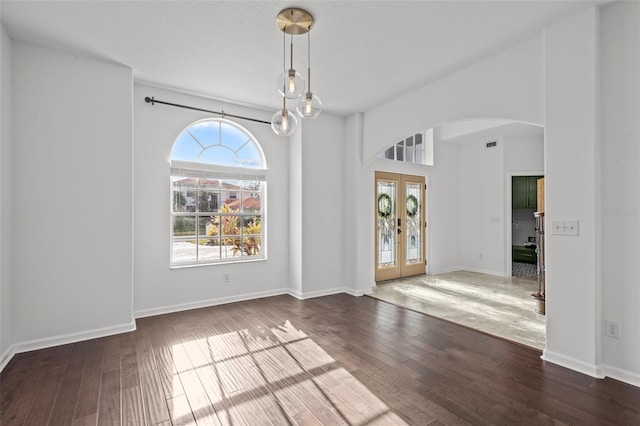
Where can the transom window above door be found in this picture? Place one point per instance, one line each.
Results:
(417, 148)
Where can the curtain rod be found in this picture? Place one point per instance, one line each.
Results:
(153, 101)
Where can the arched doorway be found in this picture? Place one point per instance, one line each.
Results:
(470, 229)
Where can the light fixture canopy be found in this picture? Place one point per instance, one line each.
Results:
(294, 21)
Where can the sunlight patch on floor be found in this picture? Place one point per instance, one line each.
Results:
(280, 371)
(502, 306)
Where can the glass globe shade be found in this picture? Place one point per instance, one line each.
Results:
(309, 106)
(291, 84)
(284, 122)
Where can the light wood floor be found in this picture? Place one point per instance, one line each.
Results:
(500, 306)
(331, 360)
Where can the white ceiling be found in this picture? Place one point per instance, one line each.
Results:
(363, 52)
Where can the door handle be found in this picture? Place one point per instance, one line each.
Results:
(399, 222)
(399, 231)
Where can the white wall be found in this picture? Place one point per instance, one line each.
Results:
(523, 156)
(159, 288)
(508, 85)
(295, 212)
(352, 151)
(443, 203)
(323, 208)
(72, 197)
(6, 338)
(484, 219)
(571, 134)
(482, 200)
(620, 47)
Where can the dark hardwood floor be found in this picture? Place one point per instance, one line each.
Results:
(331, 360)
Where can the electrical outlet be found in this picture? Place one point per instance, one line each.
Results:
(226, 277)
(612, 329)
(330, 271)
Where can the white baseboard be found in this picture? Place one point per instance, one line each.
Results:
(572, 364)
(63, 339)
(622, 375)
(482, 271)
(445, 270)
(210, 302)
(358, 292)
(6, 356)
(328, 292)
(468, 269)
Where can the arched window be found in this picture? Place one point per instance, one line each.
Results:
(218, 188)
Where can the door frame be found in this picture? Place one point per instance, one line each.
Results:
(508, 269)
(403, 178)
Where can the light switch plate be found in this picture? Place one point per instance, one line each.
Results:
(564, 227)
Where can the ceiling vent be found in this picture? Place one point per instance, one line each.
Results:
(492, 144)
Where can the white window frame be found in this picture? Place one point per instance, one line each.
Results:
(194, 169)
(400, 152)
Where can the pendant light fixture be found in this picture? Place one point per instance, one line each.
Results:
(291, 85)
(284, 122)
(309, 106)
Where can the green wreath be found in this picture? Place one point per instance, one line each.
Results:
(412, 205)
(384, 205)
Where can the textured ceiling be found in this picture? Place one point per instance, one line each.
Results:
(363, 52)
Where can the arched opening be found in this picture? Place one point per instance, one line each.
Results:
(474, 227)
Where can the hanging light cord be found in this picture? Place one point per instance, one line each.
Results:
(284, 67)
(291, 39)
(309, 59)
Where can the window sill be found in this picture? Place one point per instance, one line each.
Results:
(226, 262)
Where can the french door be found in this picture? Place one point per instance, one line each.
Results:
(399, 226)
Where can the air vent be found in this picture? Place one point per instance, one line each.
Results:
(492, 144)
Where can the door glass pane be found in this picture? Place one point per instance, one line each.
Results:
(414, 216)
(386, 195)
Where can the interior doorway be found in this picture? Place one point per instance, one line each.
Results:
(527, 198)
(399, 226)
